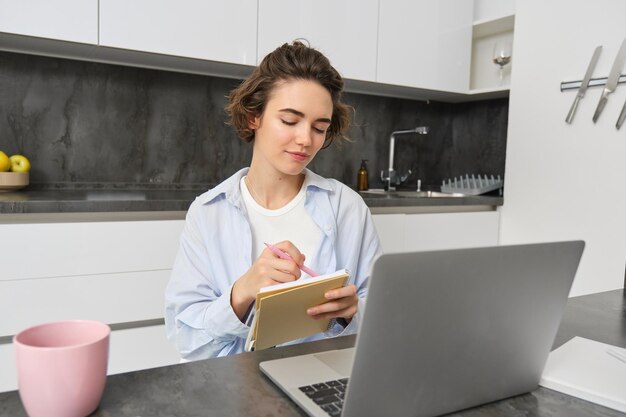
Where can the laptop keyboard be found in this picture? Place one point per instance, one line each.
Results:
(328, 395)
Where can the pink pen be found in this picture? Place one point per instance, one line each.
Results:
(284, 255)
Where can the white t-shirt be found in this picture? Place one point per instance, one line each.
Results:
(290, 222)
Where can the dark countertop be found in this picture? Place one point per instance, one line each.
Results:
(83, 200)
(234, 386)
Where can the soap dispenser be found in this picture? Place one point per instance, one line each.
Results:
(362, 179)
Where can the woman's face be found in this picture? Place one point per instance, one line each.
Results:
(292, 129)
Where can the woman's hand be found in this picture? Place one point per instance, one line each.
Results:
(268, 269)
(342, 303)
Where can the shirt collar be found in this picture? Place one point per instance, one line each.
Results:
(230, 187)
(311, 180)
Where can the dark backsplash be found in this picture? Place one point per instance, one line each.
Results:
(83, 122)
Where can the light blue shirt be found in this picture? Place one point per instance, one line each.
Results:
(216, 249)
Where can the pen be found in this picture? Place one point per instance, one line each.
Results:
(284, 255)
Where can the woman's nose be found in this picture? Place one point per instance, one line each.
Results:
(304, 136)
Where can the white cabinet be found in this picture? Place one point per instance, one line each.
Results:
(434, 231)
(129, 350)
(114, 272)
(425, 44)
(344, 31)
(222, 31)
(415, 49)
(66, 20)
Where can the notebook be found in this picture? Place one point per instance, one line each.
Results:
(441, 331)
(280, 314)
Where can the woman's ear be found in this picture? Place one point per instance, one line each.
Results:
(253, 122)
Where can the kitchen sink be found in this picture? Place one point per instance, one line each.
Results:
(408, 194)
(425, 194)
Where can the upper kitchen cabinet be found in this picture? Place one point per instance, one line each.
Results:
(344, 31)
(494, 22)
(223, 31)
(425, 44)
(66, 20)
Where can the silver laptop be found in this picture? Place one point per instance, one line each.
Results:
(442, 331)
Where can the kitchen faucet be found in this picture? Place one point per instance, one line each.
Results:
(392, 179)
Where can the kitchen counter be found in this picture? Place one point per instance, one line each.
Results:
(234, 385)
(95, 200)
(100, 200)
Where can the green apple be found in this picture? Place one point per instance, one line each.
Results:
(19, 163)
(5, 162)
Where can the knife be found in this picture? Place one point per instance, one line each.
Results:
(584, 84)
(621, 117)
(611, 82)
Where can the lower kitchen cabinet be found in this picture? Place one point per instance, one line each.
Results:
(121, 297)
(433, 231)
(114, 272)
(129, 350)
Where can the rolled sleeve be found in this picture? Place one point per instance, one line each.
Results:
(220, 315)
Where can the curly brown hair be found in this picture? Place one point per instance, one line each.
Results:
(294, 61)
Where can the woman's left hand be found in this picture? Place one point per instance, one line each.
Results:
(342, 302)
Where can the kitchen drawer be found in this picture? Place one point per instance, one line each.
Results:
(436, 231)
(44, 250)
(130, 350)
(110, 298)
(140, 348)
(8, 376)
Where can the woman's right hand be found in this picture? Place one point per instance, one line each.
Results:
(268, 269)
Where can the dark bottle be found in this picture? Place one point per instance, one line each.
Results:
(362, 180)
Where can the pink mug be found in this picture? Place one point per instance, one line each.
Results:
(62, 367)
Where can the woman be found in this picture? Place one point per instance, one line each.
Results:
(288, 109)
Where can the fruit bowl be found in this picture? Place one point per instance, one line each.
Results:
(13, 180)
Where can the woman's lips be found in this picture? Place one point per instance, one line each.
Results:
(298, 156)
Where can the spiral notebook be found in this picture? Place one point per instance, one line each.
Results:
(281, 310)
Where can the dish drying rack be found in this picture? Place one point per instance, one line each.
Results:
(472, 185)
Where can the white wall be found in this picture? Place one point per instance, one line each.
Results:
(567, 181)
(489, 9)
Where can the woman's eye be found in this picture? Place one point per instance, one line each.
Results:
(316, 129)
